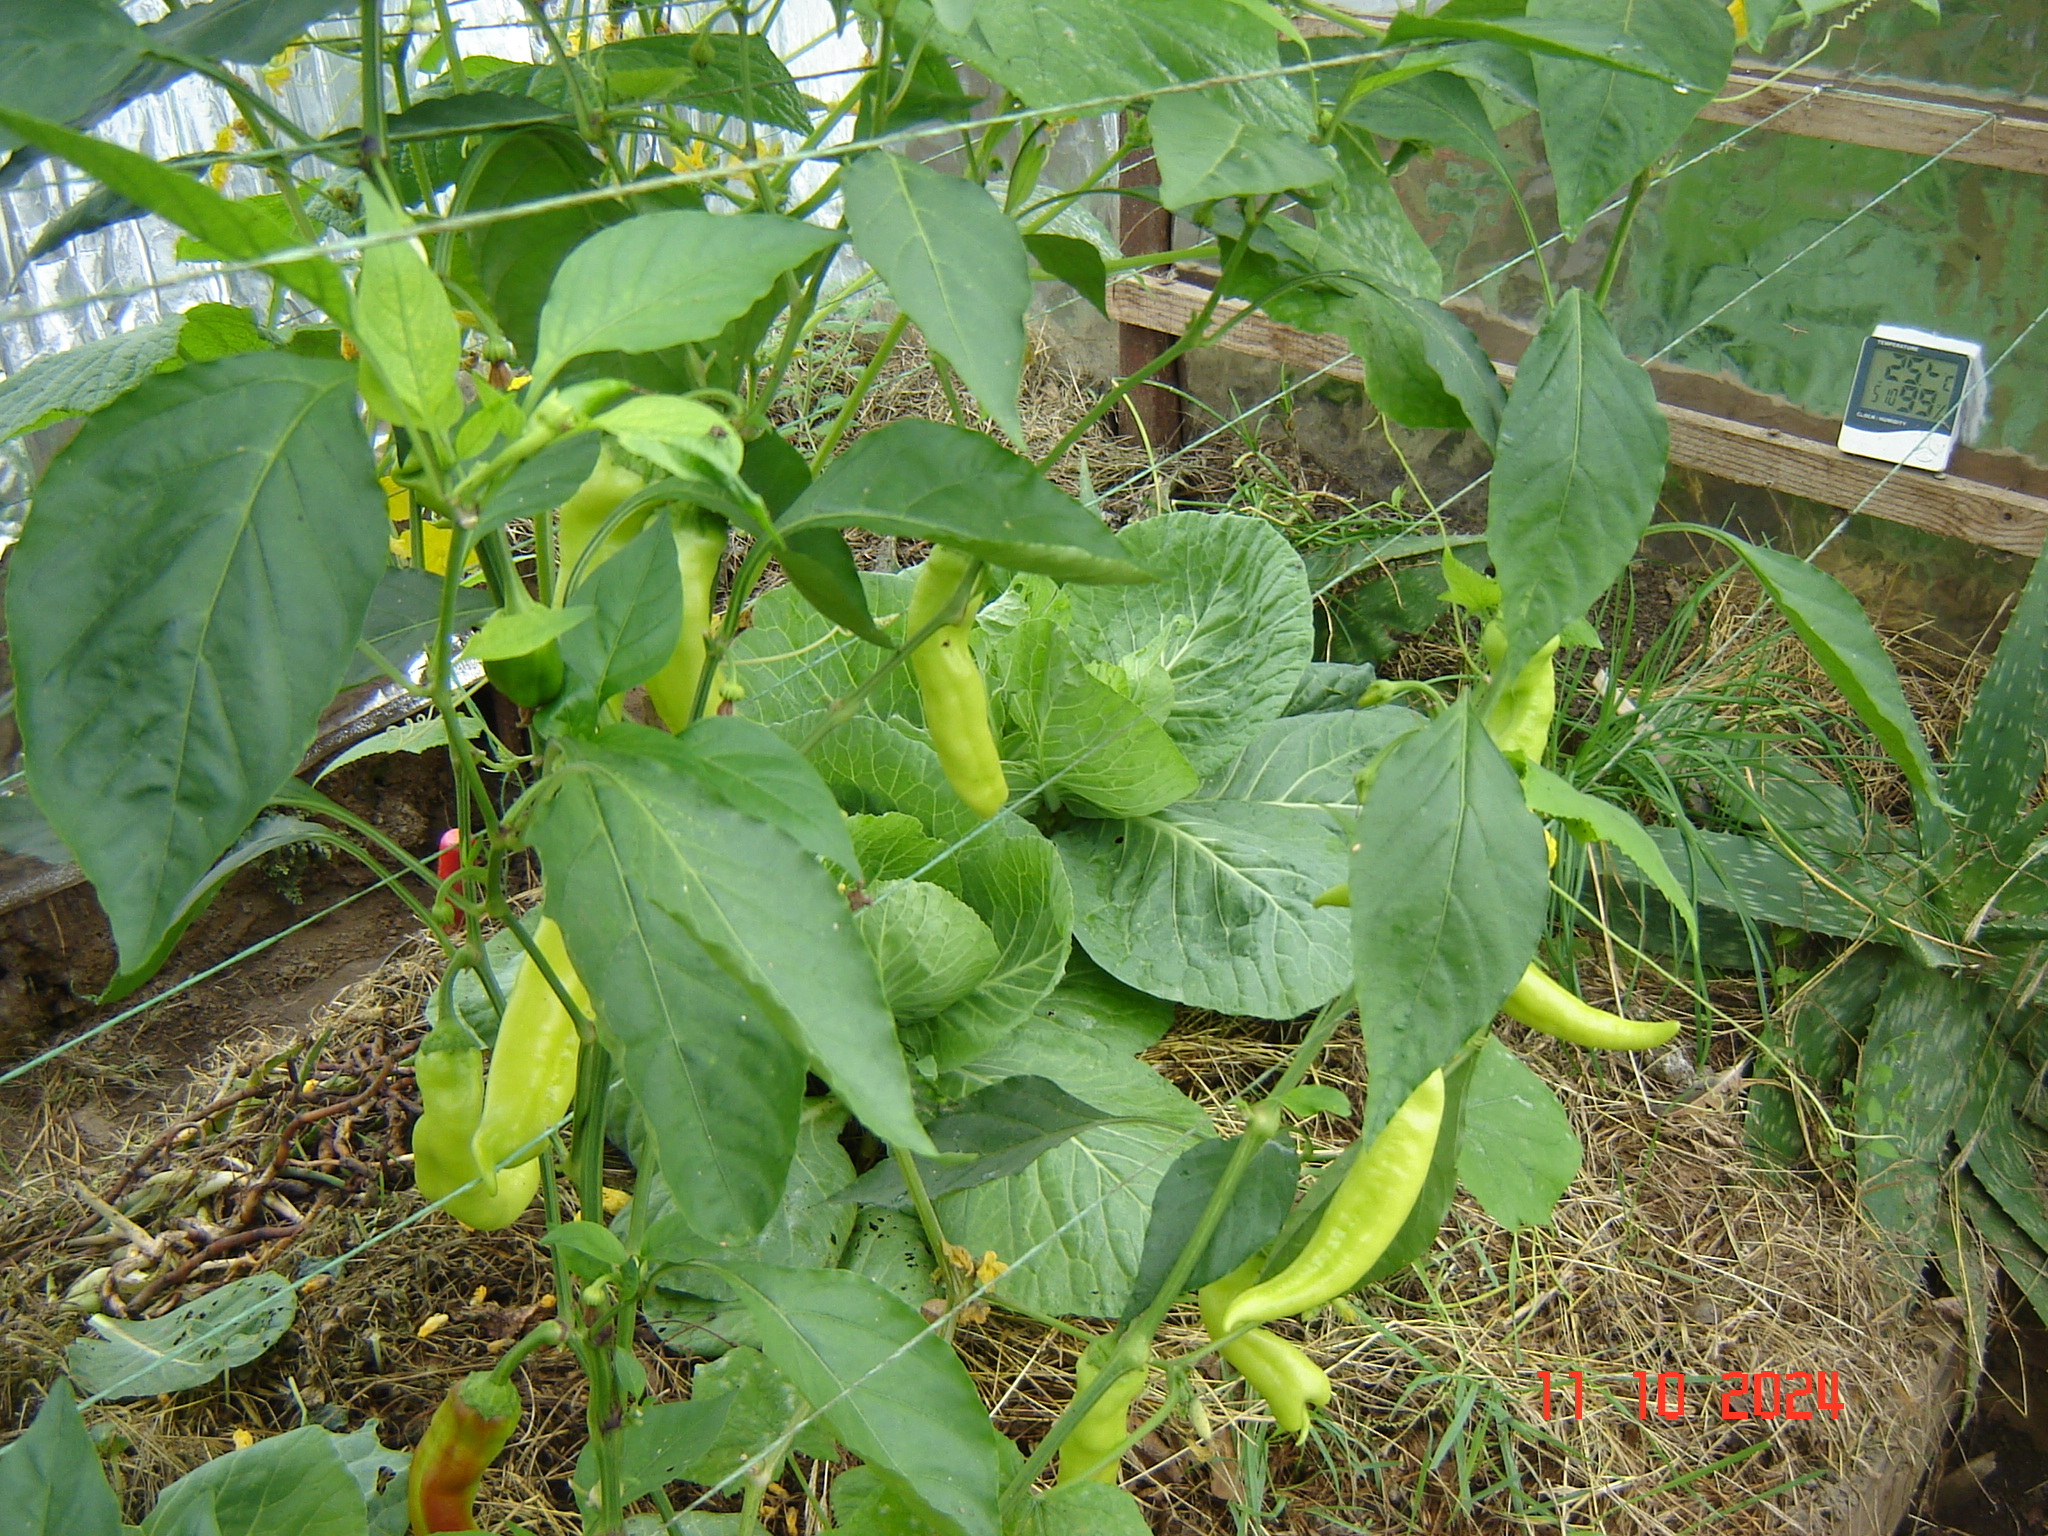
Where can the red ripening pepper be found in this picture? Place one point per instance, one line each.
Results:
(468, 1431)
(446, 864)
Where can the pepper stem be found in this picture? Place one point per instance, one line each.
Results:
(545, 1336)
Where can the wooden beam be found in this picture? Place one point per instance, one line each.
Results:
(1151, 413)
(1891, 114)
(1822, 104)
(1770, 456)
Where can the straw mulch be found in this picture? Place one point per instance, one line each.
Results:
(1669, 1254)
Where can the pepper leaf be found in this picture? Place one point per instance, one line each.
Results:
(955, 263)
(927, 480)
(890, 1388)
(238, 233)
(51, 1479)
(1578, 465)
(664, 278)
(1517, 1152)
(1449, 883)
(182, 607)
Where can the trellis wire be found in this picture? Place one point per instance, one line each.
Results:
(1241, 416)
(1437, 508)
(356, 244)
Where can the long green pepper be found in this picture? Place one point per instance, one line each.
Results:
(1362, 1217)
(448, 1070)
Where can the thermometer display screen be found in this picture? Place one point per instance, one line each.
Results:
(1916, 394)
(1910, 385)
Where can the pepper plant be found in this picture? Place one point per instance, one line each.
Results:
(913, 864)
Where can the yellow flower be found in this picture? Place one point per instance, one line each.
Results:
(1740, 13)
(223, 141)
(279, 69)
(435, 540)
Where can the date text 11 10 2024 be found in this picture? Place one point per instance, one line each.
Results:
(1742, 1394)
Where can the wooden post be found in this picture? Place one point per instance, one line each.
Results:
(1152, 412)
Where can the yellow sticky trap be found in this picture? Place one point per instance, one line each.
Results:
(1739, 13)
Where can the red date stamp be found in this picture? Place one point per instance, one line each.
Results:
(1742, 1394)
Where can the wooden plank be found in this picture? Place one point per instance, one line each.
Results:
(1901, 115)
(1769, 456)
(1152, 413)
(1820, 104)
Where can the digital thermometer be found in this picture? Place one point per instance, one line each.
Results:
(1916, 393)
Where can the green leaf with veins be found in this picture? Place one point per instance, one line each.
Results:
(1056, 51)
(164, 698)
(188, 1346)
(1578, 466)
(1013, 877)
(51, 1477)
(1207, 150)
(893, 1391)
(84, 378)
(1081, 738)
(807, 1230)
(1081, 1208)
(928, 480)
(1517, 1152)
(294, 1482)
(404, 325)
(794, 663)
(1228, 619)
(955, 264)
(1209, 901)
(1600, 126)
(1449, 884)
(660, 279)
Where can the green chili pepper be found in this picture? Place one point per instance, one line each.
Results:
(1278, 1371)
(1519, 721)
(584, 513)
(466, 1434)
(950, 687)
(1541, 1003)
(1362, 1217)
(533, 1062)
(1091, 1450)
(700, 547)
(532, 679)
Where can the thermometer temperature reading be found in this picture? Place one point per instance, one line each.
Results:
(1915, 394)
